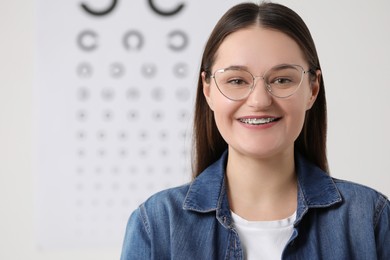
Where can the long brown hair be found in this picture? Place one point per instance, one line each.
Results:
(208, 143)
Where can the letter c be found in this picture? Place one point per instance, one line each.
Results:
(101, 12)
(165, 13)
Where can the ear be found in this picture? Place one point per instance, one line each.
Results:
(207, 89)
(315, 89)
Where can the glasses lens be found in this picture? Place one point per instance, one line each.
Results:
(235, 84)
(283, 81)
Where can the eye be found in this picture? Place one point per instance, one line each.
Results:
(234, 79)
(281, 81)
(237, 82)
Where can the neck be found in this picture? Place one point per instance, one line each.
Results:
(262, 189)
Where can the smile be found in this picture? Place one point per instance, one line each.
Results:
(258, 121)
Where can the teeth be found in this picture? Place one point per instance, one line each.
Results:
(257, 121)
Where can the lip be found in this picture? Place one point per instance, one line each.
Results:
(255, 121)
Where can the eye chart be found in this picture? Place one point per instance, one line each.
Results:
(115, 84)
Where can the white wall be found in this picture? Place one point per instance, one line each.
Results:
(352, 39)
(16, 179)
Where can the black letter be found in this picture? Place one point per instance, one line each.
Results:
(165, 13)
(99, 13)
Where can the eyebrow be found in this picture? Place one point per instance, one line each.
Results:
(278, 66)
(239, 67)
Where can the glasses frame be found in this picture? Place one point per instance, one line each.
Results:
(267, 86)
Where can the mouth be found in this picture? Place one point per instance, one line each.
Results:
(258, 121)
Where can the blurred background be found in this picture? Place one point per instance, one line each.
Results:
(96, 102)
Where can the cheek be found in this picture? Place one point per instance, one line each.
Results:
(221, 118)
(220, 105)
(300, 102)
(310, 96)
(213, 98)
(294, 111)
(224, 111)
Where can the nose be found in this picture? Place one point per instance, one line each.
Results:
(259, 96)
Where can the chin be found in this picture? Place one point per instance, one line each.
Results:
(266, 151)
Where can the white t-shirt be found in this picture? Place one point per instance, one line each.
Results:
(263, 239)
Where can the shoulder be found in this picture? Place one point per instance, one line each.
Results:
(166, 200)
(151, 224)
(356, 190)
(158, 210)
(163, 215)
(362, 198)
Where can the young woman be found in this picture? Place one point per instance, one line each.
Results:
(261, 188)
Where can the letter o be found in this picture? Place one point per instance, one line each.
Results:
(183, 40)
(87, 40)
(130, 37)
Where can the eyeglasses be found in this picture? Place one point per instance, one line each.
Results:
(281, 81)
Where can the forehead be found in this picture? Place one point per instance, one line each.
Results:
(258, 48)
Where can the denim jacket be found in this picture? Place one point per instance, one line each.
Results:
(335, 220)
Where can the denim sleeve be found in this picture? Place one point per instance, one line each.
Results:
(137, 243)
(382, 228)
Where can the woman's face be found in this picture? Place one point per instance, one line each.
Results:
(260, 126)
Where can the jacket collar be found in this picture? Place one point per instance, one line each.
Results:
(208, 189)
(316, 189)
